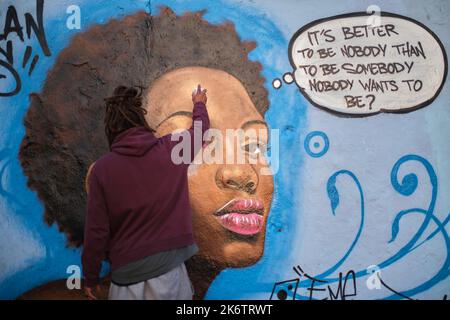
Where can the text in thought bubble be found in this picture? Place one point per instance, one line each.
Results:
(347, 64)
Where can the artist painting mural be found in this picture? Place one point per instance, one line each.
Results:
(218, 62)
(358, 99)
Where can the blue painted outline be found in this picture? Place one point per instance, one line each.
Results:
(312, 135)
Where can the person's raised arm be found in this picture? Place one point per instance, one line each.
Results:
(195, 134)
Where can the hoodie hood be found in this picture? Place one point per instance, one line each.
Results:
(134, 142)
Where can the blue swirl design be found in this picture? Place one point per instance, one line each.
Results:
(406, 187)
(325, 147)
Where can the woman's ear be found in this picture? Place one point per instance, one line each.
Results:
(86, 180)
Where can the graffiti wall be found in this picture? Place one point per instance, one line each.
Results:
(351, 98)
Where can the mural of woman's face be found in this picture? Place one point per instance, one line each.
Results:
(230, 200)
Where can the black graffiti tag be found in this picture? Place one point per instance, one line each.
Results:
(31, 25)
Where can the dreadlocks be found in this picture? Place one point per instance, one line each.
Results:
(123, 111)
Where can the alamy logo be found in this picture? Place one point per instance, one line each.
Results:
(237, 146)
(373, 280)
(74, 278)
(74, 20)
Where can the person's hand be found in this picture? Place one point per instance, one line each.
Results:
(89, 292)
(199, 95)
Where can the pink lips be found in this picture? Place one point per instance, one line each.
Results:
(242, 216)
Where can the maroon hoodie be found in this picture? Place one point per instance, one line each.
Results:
(138, 201)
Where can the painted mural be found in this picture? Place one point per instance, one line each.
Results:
(351, 106)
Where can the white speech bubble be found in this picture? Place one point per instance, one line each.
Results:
(346, 65)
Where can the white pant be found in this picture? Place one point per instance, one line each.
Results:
(173, 285)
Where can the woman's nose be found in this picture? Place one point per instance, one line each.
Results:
(238, 177)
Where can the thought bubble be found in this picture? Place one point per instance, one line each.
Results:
(348, 64)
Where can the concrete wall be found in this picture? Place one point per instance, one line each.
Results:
(357, 201)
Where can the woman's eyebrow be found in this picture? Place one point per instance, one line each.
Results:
(178, 113)
(251, 122)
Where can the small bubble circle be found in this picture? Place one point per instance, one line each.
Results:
(288, 78)
(276, 83)
(320, 144)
